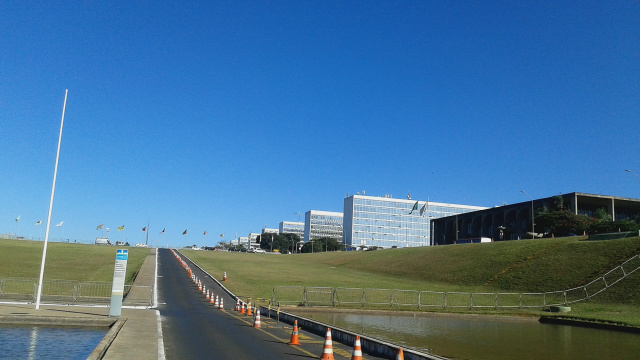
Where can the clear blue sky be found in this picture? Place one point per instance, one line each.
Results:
(226, 116)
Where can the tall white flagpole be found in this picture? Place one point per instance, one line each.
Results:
(53, 189)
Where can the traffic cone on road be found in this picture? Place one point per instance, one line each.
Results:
(294, 334)
(256, 321)
(242, 308)
(237, 305)
(211, 300)
(400, 355)
(217, 303)
(221, 303)
(207, 297)
(204, 287)
(327, 352)
(249, 312)
(357, 350)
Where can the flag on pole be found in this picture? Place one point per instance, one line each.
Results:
(424, 208)
(18, 218)
(120, 228)
(99, 227)
(162, 230)
(415, 207)
(144, 228)
(205, 232)
(38, 222)
(222, 235)
(184, 232)
(60, 223)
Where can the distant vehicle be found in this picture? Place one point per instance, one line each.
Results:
(102, 241)
(260, 251)
(142, 245)
(479, 240)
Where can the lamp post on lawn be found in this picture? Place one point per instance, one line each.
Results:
(533, 234)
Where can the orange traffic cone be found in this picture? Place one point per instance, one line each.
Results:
(203, 288)
(294, 334)
(225, 276)
(237, 305)
(256, 321)
(357, 350)
(400, 355)
(249, 313)
(211, 300)
(242, 308)
(327, 352)
(221, 303)
(207, 297)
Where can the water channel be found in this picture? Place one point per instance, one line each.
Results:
(485, 337)
(45, 342)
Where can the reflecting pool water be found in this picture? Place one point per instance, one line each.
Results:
(486, 337)
(42, 342)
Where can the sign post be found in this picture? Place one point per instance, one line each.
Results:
(117, 290)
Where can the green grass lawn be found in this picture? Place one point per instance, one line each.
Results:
(511, 266)
(81, 262)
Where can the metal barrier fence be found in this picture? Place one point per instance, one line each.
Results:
(71, 292)
(388, 298)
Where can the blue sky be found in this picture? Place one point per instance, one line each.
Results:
(226, 116)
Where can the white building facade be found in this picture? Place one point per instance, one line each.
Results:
(291, 227)
(387, 222)
(319, 224)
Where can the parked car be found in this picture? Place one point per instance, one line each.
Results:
(260, 251)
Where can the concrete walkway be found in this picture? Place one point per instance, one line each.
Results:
(136, 336)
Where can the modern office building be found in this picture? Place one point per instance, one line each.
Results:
(512, 222)
(387, 222)
(291, 227)
(269, 231)
(319, 224)
(253, 241)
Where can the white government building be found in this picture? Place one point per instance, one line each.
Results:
(319, 224)
(387, 222)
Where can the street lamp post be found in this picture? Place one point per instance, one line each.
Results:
(533, 234)
(632, 173)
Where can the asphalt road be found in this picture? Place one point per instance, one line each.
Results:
(193, 329)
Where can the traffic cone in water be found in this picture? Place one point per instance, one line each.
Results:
(327, 352)
(249, 313)
(357, 350)
(221, 303)
(294, 334)
(400, 355)
(256, 321)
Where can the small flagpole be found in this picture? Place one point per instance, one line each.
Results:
(53, 189)
(147, 241)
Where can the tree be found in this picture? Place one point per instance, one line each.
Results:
(563, 222)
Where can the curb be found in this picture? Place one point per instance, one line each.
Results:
(100, 350)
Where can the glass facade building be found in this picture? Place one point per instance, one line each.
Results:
(387, 222)
(319, 224)
(290, 227)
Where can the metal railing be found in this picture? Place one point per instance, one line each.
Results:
(71, 292)
(393, 298)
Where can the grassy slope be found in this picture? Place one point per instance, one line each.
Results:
(21, 258)
(514, 266)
